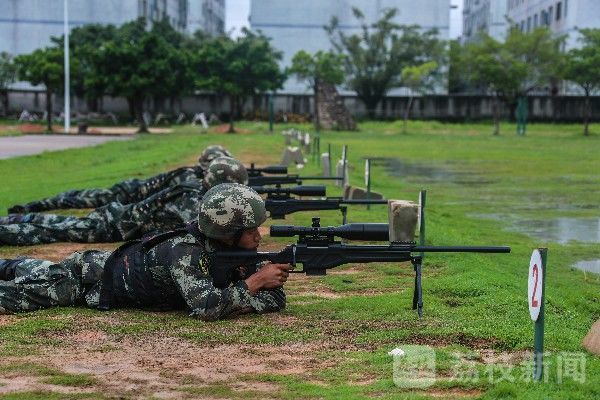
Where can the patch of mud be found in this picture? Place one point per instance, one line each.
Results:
(455, 338)
(255, 387)
(490, 356)
(150, 365)
(7, 319)
(224, 128)
(324, 294)
(348, 271)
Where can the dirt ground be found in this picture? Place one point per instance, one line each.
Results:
(159, 366)
(224, 128)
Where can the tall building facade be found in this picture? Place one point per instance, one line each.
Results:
(206, 15)
(487, 16)
(296, 25)
(26, 25)
(561, 16)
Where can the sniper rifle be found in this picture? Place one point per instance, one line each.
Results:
(317, 250)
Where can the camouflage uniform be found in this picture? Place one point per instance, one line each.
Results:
(126, 192)
(165, 210)
(170, 274)
(168, 271)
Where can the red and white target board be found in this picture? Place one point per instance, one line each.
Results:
(536, 280)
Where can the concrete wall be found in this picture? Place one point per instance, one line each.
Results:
(446, 108)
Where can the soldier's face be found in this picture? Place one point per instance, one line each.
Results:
(250, 239)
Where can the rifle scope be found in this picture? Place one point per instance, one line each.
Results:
(374, 232)
(318, 190)
(271, 169)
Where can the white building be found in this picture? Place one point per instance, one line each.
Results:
(206, 15)
(26, 25)
(487, 16)
(561, 16)
(298, 25)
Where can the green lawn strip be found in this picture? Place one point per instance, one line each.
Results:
(10, 132)
(47, 375)
(223, 390)
(475, 300)
(29, 333)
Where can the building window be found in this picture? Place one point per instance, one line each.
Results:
(528, 24)
(558, 10)
(542, 18)
(550, 14)
(523, 26)
(565, 10)
(535, 21)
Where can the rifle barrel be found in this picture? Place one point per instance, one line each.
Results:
(306, 190)
(365, 201)
(461, 249)
(322, 178)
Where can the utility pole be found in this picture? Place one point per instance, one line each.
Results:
(67, 110)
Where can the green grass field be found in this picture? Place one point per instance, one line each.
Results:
(332, 340)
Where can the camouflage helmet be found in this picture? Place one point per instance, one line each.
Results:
(229, 208)
(225, 170)
(210, 153)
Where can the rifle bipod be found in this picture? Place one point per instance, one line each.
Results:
(418, 291)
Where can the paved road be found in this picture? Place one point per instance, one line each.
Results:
(14, 146)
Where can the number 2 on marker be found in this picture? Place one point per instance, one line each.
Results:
(534, 302)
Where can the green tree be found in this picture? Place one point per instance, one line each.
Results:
(140, 64)
(238, 68)
(456, 80)
(375, 57)
(418, 79)
(8, 73)
(513, 68)
(84, 42)
(583, 68)
(45, 67)
(323, 67)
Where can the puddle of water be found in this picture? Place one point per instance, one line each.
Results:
(589, 266)
(561, 230)
(427, 173)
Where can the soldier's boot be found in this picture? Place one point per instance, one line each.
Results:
(7, 269)
(34, 206)
(12, 219)
(18, 209)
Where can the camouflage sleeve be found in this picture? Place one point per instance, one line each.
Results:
(268, 301)
(135, 220)
(206, 301)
